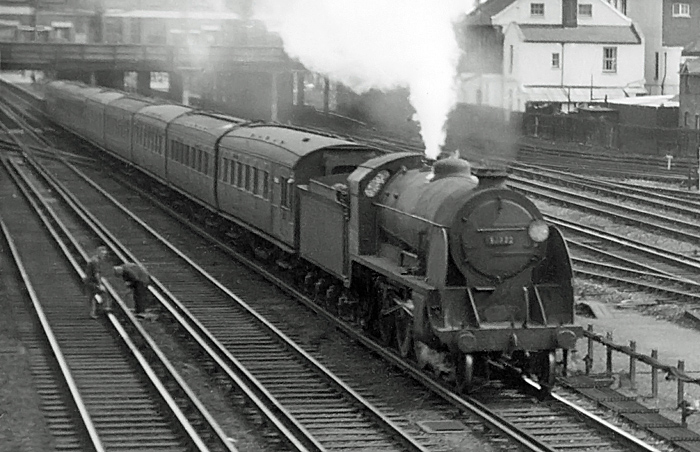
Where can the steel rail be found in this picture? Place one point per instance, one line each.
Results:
(467, 404)
(125, 256)
(394, 428)
(351, 328)
(146, 366)
(664, 202)
(135, 324)
(629, 439)
(153, 378)
(115, 245)
(668, 256)
(53, 343)
(546, 192)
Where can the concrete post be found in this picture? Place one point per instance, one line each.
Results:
(143, 83)
(175, 90)
(110, 79)
(274, 97)
(300, 98)
(326, 95)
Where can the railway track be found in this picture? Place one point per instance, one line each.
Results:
(116, 381)
(544, 436)
(140, 245)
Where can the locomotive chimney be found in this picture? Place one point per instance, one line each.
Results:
(490, 177)
(451, 167)
(569, 13)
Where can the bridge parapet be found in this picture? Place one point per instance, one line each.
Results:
(124, 57)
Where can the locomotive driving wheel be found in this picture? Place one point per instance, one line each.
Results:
(387, 326)
(404, 333)
(465, 373)
(546, 368)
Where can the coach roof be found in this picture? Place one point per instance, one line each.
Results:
(130, 104)
(286, 145)
(209, 123)
(105, 96)
(164, 113)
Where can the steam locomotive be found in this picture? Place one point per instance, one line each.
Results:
(438, 258)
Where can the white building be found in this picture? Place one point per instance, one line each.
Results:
(556, 52)
(663, 24)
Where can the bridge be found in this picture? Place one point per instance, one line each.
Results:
(253, 81)
(151, 58)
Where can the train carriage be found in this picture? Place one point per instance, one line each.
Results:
(82, 121)
(192, 143)
(95, 112)
(118, 120)
(63, 101)
(293, 156)
(68, 104)
(149, 137)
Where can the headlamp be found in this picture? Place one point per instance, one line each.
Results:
(538, 231)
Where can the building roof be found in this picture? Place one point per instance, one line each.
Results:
(595, 34)
(483, 13)
(691, 67)
(666, 100)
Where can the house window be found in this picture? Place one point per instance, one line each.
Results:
(585, 10)
(686, 115)
(510, 62)
(555, 61)
(537, 9)
(609, 59)
(656, 66)
(620, 5)
(697, 121)
(681, 10)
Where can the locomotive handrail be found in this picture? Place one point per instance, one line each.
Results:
(410, 215)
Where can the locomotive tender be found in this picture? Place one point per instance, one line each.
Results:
(438, 258)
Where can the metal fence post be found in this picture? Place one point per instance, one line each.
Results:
(589, 357)
(654, 375)
(679, 397)
(608, 351)
(633, 365)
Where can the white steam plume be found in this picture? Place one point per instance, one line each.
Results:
(380, 44)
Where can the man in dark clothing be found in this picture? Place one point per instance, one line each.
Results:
(93, 279)
(137, 279)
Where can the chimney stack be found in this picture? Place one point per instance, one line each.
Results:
(569, 13)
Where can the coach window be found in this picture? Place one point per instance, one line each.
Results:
(206, 163)
(248, 178)
(266, 185)
(240, 180)
(256, 181)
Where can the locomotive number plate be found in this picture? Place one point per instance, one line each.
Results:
(499, 240)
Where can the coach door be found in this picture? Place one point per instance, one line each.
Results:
(283, 206)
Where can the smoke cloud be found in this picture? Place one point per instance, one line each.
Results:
(380, 44)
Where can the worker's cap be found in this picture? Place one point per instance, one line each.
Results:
(118, 270)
